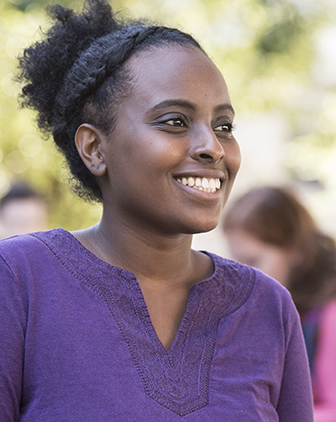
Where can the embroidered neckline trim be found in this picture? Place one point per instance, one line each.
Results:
(177, 379)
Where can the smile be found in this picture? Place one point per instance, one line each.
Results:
(200, 183)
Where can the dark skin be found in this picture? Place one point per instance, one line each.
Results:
(175, 124)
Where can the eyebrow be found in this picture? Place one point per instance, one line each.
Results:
(224, 107)
(188, 105)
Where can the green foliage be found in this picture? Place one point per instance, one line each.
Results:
(26, 5)
(265, 49)
(25, 154)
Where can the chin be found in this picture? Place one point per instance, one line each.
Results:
(203, 227)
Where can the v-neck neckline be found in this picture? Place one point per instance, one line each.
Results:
(80, 250)
(177, 378)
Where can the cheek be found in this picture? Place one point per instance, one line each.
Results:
(233, 157)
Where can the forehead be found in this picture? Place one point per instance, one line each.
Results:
(177, 72)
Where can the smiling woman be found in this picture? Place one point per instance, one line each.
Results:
(123, 320)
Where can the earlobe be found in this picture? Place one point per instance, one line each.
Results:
(88, 142)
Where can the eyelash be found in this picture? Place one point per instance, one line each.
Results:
(183, 123)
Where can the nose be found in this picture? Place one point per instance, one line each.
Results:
(206, 146)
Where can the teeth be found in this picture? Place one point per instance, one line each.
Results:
(203, 184)
(191, 181)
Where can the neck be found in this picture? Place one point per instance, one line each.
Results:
(149, 256)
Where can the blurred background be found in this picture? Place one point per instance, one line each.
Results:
(279, 60)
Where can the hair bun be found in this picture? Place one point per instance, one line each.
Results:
(45, 64)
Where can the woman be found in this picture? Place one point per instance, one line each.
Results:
(270, 229)
(124, 321)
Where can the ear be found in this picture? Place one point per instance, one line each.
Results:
(88, 141)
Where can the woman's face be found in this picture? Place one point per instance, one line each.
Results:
(172, 132)
(272, 260)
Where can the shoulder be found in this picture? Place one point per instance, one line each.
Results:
(259, 282)
(34, 265)
(32, 250)
(28, 244)
(252, 290)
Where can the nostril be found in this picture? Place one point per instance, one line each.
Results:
(206, 156)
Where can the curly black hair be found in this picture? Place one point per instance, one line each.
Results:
(77, 75)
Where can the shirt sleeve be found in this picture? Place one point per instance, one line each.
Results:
(324, 379)
(295, 402)
(12, 339)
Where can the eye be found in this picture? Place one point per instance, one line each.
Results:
(172, 122)
(176, 121)
(225, 127)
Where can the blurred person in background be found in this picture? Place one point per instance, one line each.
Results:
(268, 228)
(22, 210)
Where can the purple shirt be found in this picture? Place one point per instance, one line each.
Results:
(77, 343)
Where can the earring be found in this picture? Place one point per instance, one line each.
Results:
(93, 166)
